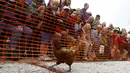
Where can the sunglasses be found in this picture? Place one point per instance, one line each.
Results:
(67, 10)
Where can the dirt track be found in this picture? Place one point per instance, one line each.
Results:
(84, 67)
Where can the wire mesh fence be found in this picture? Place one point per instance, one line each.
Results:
(25, 34)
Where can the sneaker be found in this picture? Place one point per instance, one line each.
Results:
(128, 59)
(86, 58)
(45, 58)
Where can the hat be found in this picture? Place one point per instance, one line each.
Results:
(66, 7)
(89, 13)
(104, 24)
(55, 1)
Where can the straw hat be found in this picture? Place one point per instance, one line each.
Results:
(55, 1)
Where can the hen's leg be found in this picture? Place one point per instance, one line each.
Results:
(57, 63)
(54, 65)
(69, 68)
(69, 63)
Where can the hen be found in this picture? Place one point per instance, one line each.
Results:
(63, 53)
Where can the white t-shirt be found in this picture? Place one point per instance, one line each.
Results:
(128, 35)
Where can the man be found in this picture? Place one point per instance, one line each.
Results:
(15, 31)
(8, 17)
(49, 24)
(96, 22)
(37, 21)
(123, 45)
(96, 33)
(103, 37)
(84, 12)
(103, 41)
(95, 37)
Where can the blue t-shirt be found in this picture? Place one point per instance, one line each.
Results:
(28, 2)
(76, 27)
(45, 37)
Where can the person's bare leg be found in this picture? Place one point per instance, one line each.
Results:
(112, 54)
(118, 55)
(86, 47)
(90, 51)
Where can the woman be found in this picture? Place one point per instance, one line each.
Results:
(115, 50)
(87, 38)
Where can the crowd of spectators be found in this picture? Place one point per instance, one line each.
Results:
(36, 22)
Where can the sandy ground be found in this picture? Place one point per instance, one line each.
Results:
(21, 68)
(78, 67)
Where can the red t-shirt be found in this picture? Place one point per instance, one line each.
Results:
(58, 29)
(73, 20)
(115, 39)
(122, 39)
(1, 22)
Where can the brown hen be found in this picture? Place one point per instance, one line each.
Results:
(66, 52)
